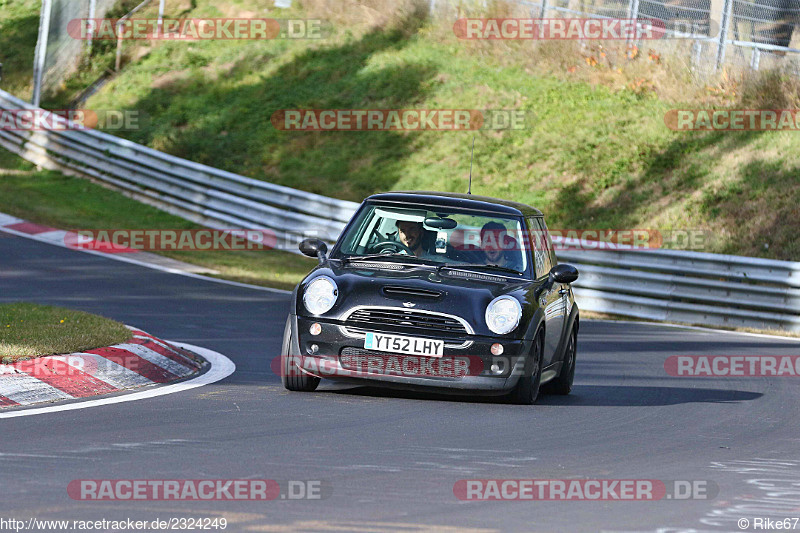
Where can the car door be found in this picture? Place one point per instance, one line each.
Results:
(551, 299)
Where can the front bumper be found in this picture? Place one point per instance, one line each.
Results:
(338, 353)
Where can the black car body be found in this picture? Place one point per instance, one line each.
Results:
(372, 300)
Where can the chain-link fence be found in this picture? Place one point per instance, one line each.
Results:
(737, 33)
(714, 33)
(57, 52)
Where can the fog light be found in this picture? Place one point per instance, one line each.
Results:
(313, 349)
(315, 328)
(498, 368)
(497, 349)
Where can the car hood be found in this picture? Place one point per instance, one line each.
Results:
(464, 294)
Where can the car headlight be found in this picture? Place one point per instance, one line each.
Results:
(320, 295)
(503, 314)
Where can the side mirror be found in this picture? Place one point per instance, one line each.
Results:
(564, 273)
(314, 248)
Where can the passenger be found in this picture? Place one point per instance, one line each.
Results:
(499, 248)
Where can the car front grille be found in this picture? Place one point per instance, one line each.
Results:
(370, 317)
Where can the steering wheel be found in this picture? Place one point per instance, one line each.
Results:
(398, 247)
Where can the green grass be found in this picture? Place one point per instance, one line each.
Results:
(50, 198)
(19, 29)
(30, 330)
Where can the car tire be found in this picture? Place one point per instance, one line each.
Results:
(562, 385)
(292, 377)
(527, 389)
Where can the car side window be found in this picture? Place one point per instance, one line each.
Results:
(551, 250)
(540, 241)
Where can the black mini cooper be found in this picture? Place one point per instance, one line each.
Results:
(439, 292)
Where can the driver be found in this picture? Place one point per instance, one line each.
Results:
(410, 234)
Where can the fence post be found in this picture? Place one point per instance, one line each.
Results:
(633, 14)
(755, 59)
(723, 32)
(90, 36)
(118, 60)
(160, 15)
(41, 51)
(697, 54)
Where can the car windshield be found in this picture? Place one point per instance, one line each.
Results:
(436, 236)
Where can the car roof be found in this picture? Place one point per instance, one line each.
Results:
(457, 200)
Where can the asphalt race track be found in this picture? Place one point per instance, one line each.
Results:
(391, 459)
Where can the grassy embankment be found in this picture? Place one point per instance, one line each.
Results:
(30, 330)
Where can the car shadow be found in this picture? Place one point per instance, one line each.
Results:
(581, 396)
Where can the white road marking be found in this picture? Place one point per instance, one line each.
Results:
(7, 220)
(221, 367)
(55, 236)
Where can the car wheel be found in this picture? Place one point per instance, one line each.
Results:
(292, 377)
(527, 389)
(563, 383)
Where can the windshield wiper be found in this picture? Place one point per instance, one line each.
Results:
(496, 268)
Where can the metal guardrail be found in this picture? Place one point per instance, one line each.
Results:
(668, 285)
(202, 194)
(689, 287)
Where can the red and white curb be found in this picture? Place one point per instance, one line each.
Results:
(143, 360)
(53, 235)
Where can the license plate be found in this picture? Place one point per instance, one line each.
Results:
(401, 344)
